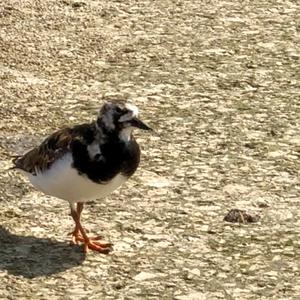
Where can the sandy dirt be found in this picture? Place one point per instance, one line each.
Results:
(219, 82)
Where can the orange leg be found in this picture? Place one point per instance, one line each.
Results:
(76, 237)
(79, 234)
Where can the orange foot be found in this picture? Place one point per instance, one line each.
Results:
(77, 238)
(97, 246)
(91, 243)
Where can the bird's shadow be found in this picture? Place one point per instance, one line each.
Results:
(30, 257)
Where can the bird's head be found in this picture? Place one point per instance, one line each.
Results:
(120, 118)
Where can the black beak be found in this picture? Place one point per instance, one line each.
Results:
(135, 122)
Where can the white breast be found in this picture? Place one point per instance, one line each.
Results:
(64, 182)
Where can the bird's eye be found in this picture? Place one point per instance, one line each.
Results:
(119, 110)
(98, 157)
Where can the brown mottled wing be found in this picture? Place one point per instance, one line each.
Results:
(41, 157)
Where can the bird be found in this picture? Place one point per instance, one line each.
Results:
(85, 162)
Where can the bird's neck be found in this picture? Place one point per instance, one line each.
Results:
(125, 134)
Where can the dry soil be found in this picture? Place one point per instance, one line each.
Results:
(219, 82)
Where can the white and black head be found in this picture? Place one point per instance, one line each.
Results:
(120, 119)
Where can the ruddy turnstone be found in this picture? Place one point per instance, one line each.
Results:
(86, 162)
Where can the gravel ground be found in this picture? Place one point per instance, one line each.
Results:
(219, 82)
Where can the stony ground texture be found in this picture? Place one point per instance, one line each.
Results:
(219, 82)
